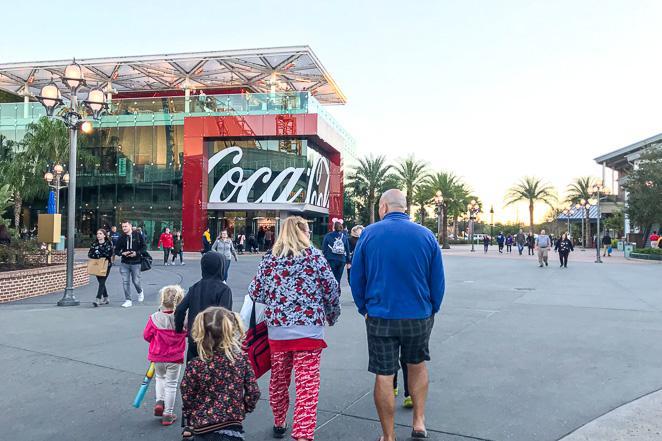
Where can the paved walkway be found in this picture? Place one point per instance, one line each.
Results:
(519, 353)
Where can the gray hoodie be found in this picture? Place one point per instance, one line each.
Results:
(225, 248)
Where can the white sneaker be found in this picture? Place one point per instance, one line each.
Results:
(127, 304)
(141, 296)
(183, 263)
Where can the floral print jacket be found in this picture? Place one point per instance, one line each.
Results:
(297, 290)
(216, 394)
(100, 250)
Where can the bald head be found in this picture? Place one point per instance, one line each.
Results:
(392, 200)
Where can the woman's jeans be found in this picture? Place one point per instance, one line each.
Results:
(226, 270)
(180, 254)
(563, 257)
(166, 255)
(102, 291)
(337, 268)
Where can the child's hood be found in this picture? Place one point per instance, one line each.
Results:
(163, 320)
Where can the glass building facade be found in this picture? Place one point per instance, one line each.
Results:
(138, 151)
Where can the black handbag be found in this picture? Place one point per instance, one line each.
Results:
(145, 261)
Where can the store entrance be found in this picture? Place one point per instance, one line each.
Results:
(264, 225)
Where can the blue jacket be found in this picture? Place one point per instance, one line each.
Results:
(327, 243)
(397, 271)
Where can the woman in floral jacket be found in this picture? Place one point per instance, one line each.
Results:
(299, 290)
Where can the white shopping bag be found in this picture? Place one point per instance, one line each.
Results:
(247, 309)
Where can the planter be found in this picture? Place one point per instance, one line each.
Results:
(25, 283)
(646, 256)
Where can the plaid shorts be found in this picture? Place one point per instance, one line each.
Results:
(389, 340)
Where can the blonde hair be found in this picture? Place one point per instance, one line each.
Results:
(356, 230)
(293, 238)
(217, 329)
(171, 296)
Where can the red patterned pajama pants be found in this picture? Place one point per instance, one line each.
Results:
(306, 366)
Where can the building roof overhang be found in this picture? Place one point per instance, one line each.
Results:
(294, 68)
(621, 159)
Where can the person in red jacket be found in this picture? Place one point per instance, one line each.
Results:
(166, 351)
(167, 242)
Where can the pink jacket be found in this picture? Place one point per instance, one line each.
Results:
(165, 344)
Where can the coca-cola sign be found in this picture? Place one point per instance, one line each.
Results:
(307, 185)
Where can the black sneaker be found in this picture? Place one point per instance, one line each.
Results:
(279, 432)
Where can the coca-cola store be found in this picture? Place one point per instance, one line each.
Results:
(247, 182)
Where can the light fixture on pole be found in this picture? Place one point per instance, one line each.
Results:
(51, 99)
(491, 222)
(586, 230)
(439, 202)
(54, 180)
(473, 209)
(598, 188)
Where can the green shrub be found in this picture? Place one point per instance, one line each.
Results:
(656, 251)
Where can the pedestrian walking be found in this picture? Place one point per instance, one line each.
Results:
(131, 247)
(166, 241)
(114, 237)
(301, 294)
(398, 285)
(260, 238)
(500, 241)
(509, 243)
(520, 240)
(564, 247)
(206, 241)
(241, 242)
(166, 351)
(208, 291)
(225, 248)
(268, 238)
(219, 387)
(530, 243)
(252, 243)
(543, 243)
(335, 247)
(101, 248)
(654, 239)
(486, 243)
(353, 240)
(178, 247)
(606, 245)
(407, 403)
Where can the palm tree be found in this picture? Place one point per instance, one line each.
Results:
(370, 176)
(578, 190)
(454, 194)
(423, 195)
(531, 190)
(410, 173)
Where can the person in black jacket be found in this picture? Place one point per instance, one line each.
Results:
(209, 291)
(564, 246)
(131, 246)
(530, 243)
(101, 248)
(606, 244)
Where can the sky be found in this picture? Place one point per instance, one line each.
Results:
(489, 90)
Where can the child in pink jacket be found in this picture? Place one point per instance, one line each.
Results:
(166, 350)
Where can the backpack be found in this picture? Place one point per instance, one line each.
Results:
(338, 246)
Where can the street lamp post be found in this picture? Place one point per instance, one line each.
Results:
(51, 98)
(597, 188)
(491, 222)
(567, 212)
(473, 210)
(585, 206)
(443, 238)
(55, 180)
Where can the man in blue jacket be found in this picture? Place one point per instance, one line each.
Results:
(335, 248)
(398, 284)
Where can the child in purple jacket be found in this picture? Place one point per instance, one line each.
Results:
(166, 351)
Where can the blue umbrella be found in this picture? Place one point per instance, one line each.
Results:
(51, 203)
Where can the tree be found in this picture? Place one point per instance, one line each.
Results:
(531, 190)
(6, 199)
(644, 185)
(410, 173)
(423, 195)
(369, 178)
(582, 188)
(615, 222)
(453, 193)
